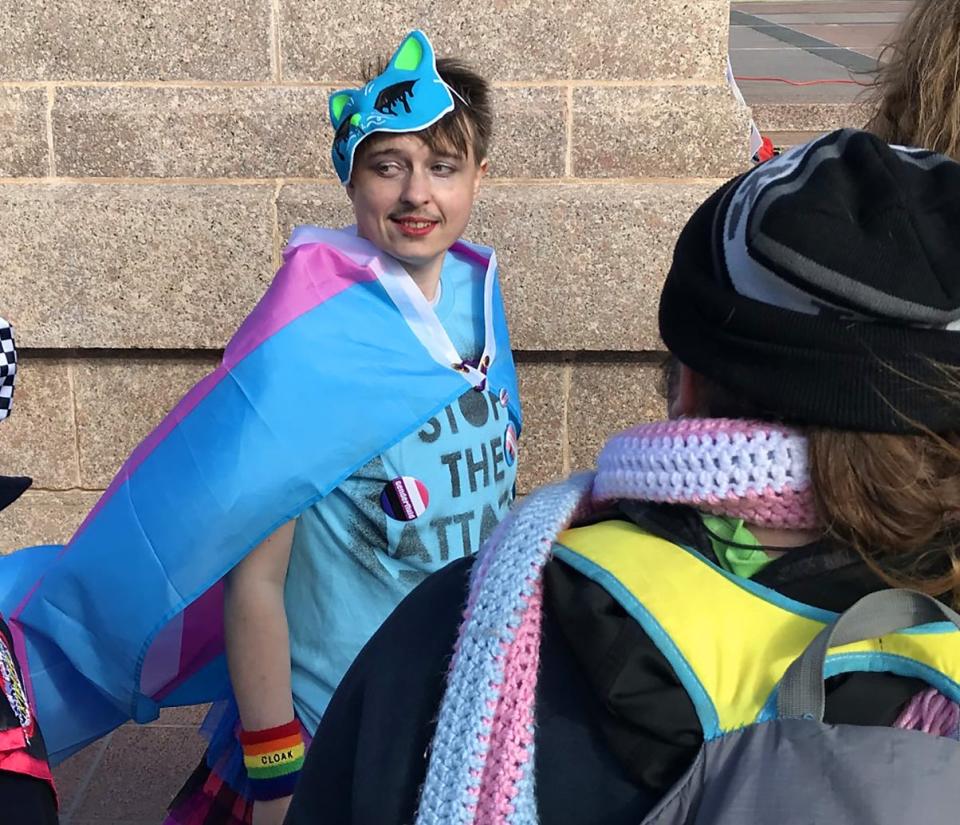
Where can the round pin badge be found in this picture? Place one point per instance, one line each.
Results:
(504, 397)
(510, 445)
(405, 498)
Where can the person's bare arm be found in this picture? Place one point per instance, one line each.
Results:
(258, 644)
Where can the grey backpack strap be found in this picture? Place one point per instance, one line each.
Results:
(802, 692)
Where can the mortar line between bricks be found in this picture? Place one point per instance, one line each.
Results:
(659, 180)
(333, 182)
(337, 84)
(72, 385)
(51, 154)
(105, 181)
(275, 217)
(565, 418)
(84, 785)
(170, 726)
(582, 356)
(35, 489)
(275, 67)
(568, 160)
(577, 83)
(205, 353)
(201, 352)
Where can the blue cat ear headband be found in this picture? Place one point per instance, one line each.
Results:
(409, 96)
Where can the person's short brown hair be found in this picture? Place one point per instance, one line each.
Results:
(469, 125)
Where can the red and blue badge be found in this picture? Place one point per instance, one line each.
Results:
(405, 498)
(510, 445)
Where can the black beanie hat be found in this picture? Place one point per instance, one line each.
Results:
(824, 287)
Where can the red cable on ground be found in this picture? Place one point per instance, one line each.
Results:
(832, 81)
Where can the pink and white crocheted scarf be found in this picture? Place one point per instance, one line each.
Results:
(757, 472)
(481, 761)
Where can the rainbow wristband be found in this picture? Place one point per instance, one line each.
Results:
(273, 759)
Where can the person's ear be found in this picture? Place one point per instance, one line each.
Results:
(482, 169)
(687, 401)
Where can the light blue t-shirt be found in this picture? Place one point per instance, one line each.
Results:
(431, 498)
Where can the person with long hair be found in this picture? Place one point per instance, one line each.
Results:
(629, 631)
(916, 97)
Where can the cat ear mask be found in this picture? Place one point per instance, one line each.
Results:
(11, 487)
(408, 96)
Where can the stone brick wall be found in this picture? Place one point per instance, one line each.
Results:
(788, 124)
(153, 157)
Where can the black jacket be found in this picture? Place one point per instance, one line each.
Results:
(615, 728)
(24, 799)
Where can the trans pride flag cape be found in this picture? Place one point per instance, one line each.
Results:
(333, 366)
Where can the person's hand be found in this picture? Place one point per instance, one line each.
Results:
(272, 812)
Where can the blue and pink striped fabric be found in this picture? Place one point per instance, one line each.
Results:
(323, 375)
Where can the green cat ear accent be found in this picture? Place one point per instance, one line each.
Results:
(355, 120)
(409, 56)
(337, 105)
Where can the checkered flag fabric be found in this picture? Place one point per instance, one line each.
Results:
(8, 368)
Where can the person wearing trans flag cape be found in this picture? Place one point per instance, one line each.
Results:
(620, 649)
(360, 433)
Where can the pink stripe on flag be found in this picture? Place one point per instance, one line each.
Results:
(201, 639)
(311, 275)
(479, 254)
(196, 394)
(162, 660)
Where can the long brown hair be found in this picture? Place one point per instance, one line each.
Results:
(893, 499)
(917, 89)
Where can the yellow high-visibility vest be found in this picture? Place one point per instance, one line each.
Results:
(728, 639)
